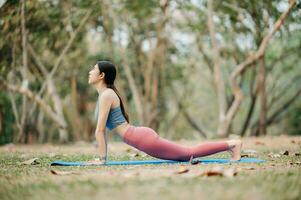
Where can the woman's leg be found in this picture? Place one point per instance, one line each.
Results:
(148, 141)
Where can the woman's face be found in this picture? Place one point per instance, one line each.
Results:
(94, 75)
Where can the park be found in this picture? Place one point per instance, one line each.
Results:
(158, 99)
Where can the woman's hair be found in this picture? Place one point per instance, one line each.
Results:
(110, 73)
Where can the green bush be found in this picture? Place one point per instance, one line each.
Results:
(293, 120)
(7, 119)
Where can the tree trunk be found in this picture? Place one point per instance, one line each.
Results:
(218, 78)
(262, 93)
(76, 121)
(24, 74)
(239, 69)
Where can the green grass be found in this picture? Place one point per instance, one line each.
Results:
(275, 179)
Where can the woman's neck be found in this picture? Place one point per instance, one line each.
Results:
(101, 87)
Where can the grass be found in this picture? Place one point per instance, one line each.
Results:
(279, 178)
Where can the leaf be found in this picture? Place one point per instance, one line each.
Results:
(295, 142)
(33, 161)
(294, 163)
(249, 168)
(182, 170)
(259, 143)
(249, 153)
(284, 152)
(136, 154)
(215, 171)
(220, 171)
(230, 172)
(63, 172)
(274, 155)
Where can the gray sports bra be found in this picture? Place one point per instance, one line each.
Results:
(115, 117)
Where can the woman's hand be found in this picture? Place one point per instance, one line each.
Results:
(95, 162)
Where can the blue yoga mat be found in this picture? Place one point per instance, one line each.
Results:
(146, 162)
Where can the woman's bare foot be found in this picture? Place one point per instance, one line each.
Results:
(235, 149)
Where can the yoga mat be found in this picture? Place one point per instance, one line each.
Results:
(145, 162)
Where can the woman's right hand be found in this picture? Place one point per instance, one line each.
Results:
(95, 162)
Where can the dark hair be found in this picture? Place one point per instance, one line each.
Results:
(110, 74)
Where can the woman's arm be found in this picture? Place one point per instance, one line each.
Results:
(105, 101)
(102, 145)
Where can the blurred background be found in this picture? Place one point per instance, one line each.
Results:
(188, 69)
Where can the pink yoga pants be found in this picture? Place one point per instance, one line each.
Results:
(147, 140)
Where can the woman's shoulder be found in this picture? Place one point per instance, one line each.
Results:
(109, 94)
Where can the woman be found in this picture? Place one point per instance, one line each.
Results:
(110, 113)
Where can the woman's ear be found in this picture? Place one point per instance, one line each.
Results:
(102, 75)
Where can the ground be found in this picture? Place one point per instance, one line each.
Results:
(278, 178)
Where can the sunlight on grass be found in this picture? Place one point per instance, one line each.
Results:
(278, 178)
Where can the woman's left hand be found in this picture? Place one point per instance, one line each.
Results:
(95, 162)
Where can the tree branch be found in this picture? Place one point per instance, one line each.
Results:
(251, 59)
(190, 119)
(28, 93)
(70, 42)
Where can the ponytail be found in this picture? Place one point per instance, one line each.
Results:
(110, 73)
(112, 86)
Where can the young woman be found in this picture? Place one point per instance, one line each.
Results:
(110, 113)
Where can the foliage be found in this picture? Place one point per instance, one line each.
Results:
(7, 120)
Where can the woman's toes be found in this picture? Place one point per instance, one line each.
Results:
(235, 149)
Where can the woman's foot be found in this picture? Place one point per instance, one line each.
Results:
(235, 149)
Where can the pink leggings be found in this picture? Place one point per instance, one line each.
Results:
(147, 140)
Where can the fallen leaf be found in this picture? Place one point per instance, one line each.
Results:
(33, 161)
(274, 155)
(230, 172)
(259, 143)
(136, 154)
(249, 168)
(215, 171)
(211, 173)
(284, 152)
(63, 172)
(294, 163)
(249, 153)
(220, 171)
(182, 170)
